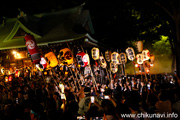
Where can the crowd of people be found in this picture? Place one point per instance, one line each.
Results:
(60, 96)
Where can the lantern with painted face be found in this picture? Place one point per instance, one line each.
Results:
(139, 58)
(65, 56)
(146, 54)
(130, 53)
(103, 63)
(95, 53)
(82, 59)
(123, 58)
(108, 55)
(139, 45)
(113, 67)
(115, 57)
(52, 59)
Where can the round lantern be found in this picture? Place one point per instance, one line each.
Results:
(139, 58)
(123, 58)
(108, 55)
(115, 57)
(65, 56)
(103, 63)
(95, 53)
(82, 59)
(146, 54)
(52, 59)
(113, 67)
(130, 53)
(139, 45)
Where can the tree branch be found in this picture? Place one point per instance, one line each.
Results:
(164, 9)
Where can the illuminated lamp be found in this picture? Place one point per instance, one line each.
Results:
(130, 53)
(151, 65)
(65, 56)
(146, 55)
(136, 65)
(52, 58)
(10, 78)
(6, 79)
(45, 72)
(115, 57)
(95, 53)
(66, 72)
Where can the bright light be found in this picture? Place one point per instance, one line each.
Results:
(136, 65)
(18, 55)
(147, 70)
(151, 65)
(14, 52)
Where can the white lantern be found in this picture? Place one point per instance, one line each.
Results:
(113, 67)
(139, 58)
(139, 45)
(123, 58)
(115, 57)
(146, 55)
(95, 53)
(108, 55)
(130, 53)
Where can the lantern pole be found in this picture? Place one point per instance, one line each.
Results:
(124, 69)
(145, 72)
(93, 78)
(134, 69)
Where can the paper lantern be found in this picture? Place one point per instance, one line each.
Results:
(82, 59)
(108, 55)
(32, 48)
(130, 53)
(139, 58)
(146, 54)
(115, 57)
(139, 45)
(95, 53)
(103, 63)
(65, 56)
(123, 58)
(113, 67)
(52, 59)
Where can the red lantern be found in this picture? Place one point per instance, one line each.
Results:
(32, 48)
(82, 59)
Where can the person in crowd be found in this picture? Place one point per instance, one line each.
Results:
(163, 105)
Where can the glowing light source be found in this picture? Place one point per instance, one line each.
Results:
(136, 65)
